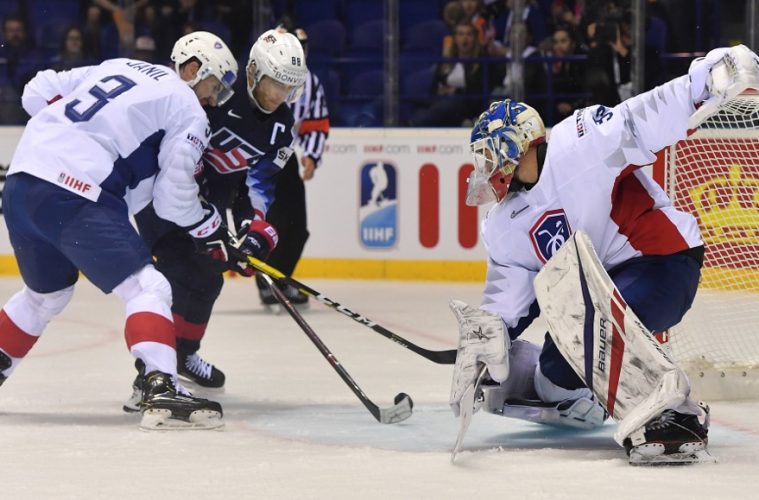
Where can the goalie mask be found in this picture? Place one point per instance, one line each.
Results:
(500, 137)
(280, 57)
(214, 57)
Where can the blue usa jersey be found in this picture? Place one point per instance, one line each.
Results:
(247, 149)
(126, 127)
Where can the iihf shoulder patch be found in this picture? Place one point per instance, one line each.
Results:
(549, 233)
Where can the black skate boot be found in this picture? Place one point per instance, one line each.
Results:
(295, 297)
(132, 404)
(195, 369)
(164, 408)
(5, 363)
(672, 438)
(264, 292)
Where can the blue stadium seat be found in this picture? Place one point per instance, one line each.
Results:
(308, 12)
(416, 90)
(49, 35)
(8, 8)
(360, 12)
(656, 34)
(362, 106)
(368, 83)
(218, 28)
(369, 35)
(415, 11)
(326, 38)
(41, 11)
(426, 36)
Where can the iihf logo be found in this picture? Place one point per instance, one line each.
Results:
(378, 215)
(549, 233)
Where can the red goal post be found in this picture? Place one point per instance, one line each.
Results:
(714, 175)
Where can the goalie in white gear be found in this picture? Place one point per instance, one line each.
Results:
(587, 178)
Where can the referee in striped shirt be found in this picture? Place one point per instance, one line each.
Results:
(288, 211)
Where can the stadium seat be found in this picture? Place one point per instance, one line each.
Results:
(360, 12)
(8, 8)
(368, 83)
(41, 11)
(416, 90)
(426, 36)
(326, 38)
(415, 11)
(656, 34)
(49, 35)
(307, 12)
(218, 28)
(369, 35)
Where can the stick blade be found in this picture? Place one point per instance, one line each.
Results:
(399, 412)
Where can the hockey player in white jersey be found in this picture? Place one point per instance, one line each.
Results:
(585, 186)
(104, 141)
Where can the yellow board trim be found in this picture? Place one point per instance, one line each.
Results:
(408, 270)
(442, 270)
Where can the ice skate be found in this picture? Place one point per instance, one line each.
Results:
(295, 297)
(164, 408)
(132, 405)
(5, 363)
(672, 438)
(193, 368)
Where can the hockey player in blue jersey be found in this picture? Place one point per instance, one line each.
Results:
(104, 141)
(251, 141)
(582, 236)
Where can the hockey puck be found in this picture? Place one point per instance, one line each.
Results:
(400, 397)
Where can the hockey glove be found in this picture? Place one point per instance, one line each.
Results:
(211, 237)
(258, 238)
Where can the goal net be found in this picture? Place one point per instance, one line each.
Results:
(714, 175)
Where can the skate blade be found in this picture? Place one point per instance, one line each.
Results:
(162, 420)
(691, 453)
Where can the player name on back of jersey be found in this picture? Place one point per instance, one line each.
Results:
(153, 71)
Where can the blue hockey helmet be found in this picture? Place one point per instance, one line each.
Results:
(500, 137)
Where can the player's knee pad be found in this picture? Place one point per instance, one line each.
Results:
(146, 290)
(31, 311)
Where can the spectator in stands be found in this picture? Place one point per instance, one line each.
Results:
(22, 59)
(608, 68)
(532, 73)
(568, 77)
(144, 49)
(459, 83)
(173, 15)
(504, 19)
(473, 12)
(72, 52)
(126, 15)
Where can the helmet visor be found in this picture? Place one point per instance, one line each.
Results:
(227, 81)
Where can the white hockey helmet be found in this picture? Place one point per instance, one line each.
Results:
(214, 57)
(280, 57)
(500, 137)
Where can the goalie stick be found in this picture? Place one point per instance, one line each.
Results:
(441, 357)
(403, 406)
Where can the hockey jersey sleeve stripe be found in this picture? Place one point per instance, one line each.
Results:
(321, 125)
(648, 230)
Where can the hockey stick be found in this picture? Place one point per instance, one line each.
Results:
(441, 357)
(403, 406)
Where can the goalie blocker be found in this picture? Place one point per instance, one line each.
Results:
(619, 359)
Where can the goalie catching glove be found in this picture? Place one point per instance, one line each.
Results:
(211, 237)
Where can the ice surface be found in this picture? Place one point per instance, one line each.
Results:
(294, 429)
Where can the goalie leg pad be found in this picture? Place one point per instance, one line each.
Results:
(604, 341)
